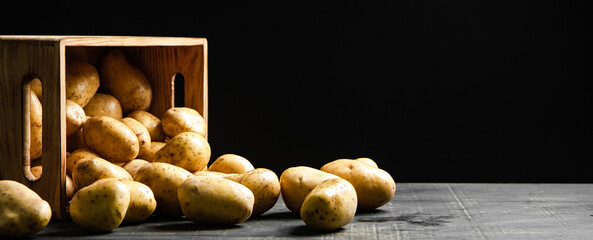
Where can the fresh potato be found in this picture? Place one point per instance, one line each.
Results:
(215, 200)
(142, 202)
(36, 171)
(125, 82)
(36, 87)
(36, 119)
(297, 182)
(141, 133)
(150, 153)
(374, 186)
(263, 183)
(330, 205)
(164, 179)
(182, 119)
(75, 141)
(104, 105)
(231, 163)
(368, 161)
(89, 170)
(188, 150)
(22, 211)
(101, 206)
(110, 138)
(151, 122)
(76, 156)
(70, 188)
(133, 166)
(75, 117)
(82, 82)
(212, 174)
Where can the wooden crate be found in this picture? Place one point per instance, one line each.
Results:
(23, 58)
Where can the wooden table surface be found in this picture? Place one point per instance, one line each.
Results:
(418, 211)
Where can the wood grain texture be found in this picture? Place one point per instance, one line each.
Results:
(21, 60)
(25, 57)
(418, 211)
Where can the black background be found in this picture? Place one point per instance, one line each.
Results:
(434, 91)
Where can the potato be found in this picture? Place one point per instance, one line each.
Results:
(101, 206)
(76, 156)
(36, 119)
(164, 179)
(75, 141)
(374, 186)
(133, 166)
(141, 133)
(182, 119)
(297, 182)
(215, 201)
(104, 105)
(75, 117)
(231, 163)
(150, 152)
(36, 87)
(125, 82)
(89, 170)
(110, 138)
(368, 161)
(263, 183)
(22, 211)
(151, 122)
(70, 188)
(330, 205)
(142, 202)
(82, 82)
(36, 171)
(212, 174)
(188, 150)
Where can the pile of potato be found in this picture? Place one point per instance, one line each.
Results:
(125, 164)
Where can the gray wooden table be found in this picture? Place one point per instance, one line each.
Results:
(418, 211)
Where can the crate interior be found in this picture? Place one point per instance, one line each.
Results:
(176, 73)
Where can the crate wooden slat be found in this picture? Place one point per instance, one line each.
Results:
(25, 57)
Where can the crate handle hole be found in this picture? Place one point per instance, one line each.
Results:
(178, 89)
(32, 129)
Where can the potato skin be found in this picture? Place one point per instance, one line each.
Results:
(133, 166)
(330, 205)
(101, 206)
(263, 183)
(142, 202)
(215, 201)
(297, 182)
(151, 122)
(374, 186)
(164, 179)
(182, 119)
(75, 141)
(89, 170)
(36, 87)
(150, 153)
(82, 82)
(141, 133)
(76, 156)
(125, 82)
(368, 161)
(110, 138)
(22, 211)
(188, 150)
(231, 163)
(103, 105)
(36, 118)
(75, 117)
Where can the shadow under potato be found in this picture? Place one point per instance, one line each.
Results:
(191, 226)
(304, 231)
